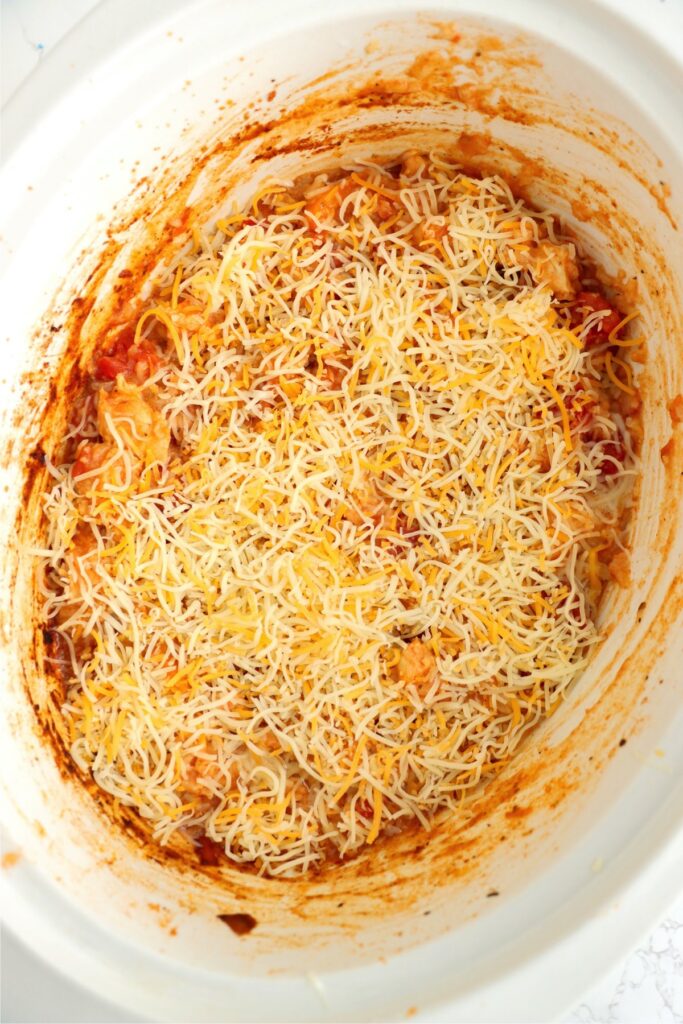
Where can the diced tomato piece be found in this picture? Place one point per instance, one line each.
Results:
(579, 408)
(364, 808)
(336, 258)
(334, 375)
(210, 852)
(614, 456)
(123, 342)
(587, 303)
(136, 362)
(581, 418)
(405, 526)
(109, 367)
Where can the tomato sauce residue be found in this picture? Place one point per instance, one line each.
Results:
(210, 853)
(240, 924)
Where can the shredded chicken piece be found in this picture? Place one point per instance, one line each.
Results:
(553, 265)
(99, 466)
(620, 569)
(82, 566)
(417, 665)
(198, 772)
(324, 207)
(367, 504)
(428, 234)
(291, 386)
(412, 163)
(127, 419)
(301, 792)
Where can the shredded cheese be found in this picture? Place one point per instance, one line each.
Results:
(371, 442)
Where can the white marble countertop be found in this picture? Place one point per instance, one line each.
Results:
(647, 988)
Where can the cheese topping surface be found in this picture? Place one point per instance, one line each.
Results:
(338, 512)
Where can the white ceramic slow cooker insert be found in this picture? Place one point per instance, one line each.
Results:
(581, 106)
